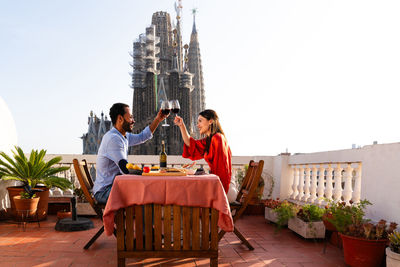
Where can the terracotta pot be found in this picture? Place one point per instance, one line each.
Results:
(361, 252)
(64, 214)
(42, 205)
(328, 225)
(26, 206)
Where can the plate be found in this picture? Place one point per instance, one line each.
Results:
(135, 172)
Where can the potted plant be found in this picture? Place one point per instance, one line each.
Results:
(308, 222)
(270, 206)
(364, 243)
(285, 210)
(393, 251)
(34, 172)
(26, 203)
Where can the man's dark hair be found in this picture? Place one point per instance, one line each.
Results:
(117, 109)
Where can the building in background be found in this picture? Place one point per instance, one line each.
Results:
(96, 130)
(162, 68)
(165, 68)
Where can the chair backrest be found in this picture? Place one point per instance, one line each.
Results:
(85, 181)
(88, 176)
(246, 181)
(248, 190)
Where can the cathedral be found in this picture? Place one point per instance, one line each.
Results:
(163, 68)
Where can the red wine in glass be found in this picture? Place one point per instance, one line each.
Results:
(165, 111)
(175, 106)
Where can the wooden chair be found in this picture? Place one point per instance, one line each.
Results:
(245, 194)
(167, 231)
(86, 182)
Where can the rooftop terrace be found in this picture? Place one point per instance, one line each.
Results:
(46, 247)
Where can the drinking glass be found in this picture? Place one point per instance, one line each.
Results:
(165, 109)
(175, 106)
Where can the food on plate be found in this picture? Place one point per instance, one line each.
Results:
(155, 168)
(131, 166)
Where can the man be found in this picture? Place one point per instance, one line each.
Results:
(113, 152)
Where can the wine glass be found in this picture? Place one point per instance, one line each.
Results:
(175, 107)
(165, 109)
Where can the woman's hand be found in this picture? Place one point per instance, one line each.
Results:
(185, 135)
(178, 121)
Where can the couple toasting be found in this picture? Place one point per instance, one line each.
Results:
(113, 152)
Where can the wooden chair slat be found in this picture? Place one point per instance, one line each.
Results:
(205, 228)
(214, 229)
(129, 228)
(157, 226)
(186, 228)
(177, 227)
(148, 227)
(139, 227)
(196, 229)
(120, 230)
(167, 227)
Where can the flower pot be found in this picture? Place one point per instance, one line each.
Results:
(271, 215)
(328, 225)
(392, 258)
(42, 205)
(307, 229)
(64, 214)
(25, 207)
(361, 252)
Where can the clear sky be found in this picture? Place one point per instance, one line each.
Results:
(303, 75)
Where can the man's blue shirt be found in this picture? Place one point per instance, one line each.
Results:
(114, 147)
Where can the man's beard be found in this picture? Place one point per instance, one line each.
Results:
(127, 126)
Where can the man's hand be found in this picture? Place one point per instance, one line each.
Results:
(160, 116)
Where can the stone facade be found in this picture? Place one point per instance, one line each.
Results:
(171, 76)
(96, 130)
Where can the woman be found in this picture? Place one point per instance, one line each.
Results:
(213, 148)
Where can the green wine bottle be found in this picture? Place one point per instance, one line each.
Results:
(163, 156)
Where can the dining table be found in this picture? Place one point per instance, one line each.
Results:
(204, 191)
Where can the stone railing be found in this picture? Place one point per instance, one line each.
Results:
(318, 182)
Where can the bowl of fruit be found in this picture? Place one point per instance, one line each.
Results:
(134, 169)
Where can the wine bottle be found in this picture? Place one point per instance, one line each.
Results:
(163, 156)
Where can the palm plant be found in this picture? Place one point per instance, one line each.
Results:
(33, 171)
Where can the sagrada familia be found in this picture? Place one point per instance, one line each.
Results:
(162, 68)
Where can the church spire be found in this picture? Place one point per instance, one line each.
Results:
(178, 35)
(195, 67)
(194, 30)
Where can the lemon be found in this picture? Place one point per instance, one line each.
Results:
(130, 166)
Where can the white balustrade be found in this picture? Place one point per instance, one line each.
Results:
(307, 185)
(337, 190)
(347, 192)
(301, 184)
(313, 186)
(329, 186)
(357, 185)
(296, 174)
(321, 181)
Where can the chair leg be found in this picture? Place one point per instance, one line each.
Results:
(242, 238)
(213, 262)
(221, 235)
(121, 262)
(91, 241)
(328, 235)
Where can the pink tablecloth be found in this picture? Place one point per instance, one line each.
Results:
(199, 191)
